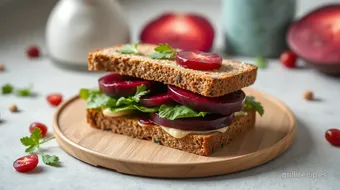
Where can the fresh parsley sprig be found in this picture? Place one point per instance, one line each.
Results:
(129, 49)
(33, 143)
(251, 103)
(163, 51)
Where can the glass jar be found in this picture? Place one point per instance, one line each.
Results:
(256, 27)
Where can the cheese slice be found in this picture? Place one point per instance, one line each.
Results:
(240, 113)
(177, 133)
(107, 112)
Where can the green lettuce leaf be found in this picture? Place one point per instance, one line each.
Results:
(96, 99)
(135, 107)
(173, 112)
(251, 103)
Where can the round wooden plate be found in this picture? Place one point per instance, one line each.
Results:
(272, 135)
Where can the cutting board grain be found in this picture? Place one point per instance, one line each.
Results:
(272, 135)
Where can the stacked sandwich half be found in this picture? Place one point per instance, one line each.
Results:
(188, 100)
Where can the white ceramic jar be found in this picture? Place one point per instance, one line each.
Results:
(76, 27)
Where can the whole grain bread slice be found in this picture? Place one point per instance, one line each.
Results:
(198, 144)
(232, 75)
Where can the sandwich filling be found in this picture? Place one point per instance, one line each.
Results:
(177, 111)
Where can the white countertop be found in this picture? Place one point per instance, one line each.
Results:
(22, 24)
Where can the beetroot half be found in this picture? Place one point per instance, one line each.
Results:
(316, 38)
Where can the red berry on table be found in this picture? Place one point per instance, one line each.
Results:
(33, 52)
(199, 60)
(26, 163)
(288, 59)
(41, 126)
(333, 136)
(55, 99)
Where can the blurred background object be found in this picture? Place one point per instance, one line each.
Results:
(316, 38)
(187, 31)
(76, 27)
(243, 27)
(256, 27)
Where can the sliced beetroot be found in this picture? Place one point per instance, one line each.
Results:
(118, 85)
(207, 123)
(156, 100)
(117, 77)
(316, 36)
(224, 105)
(199, 60)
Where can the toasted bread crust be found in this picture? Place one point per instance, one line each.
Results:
(198, 144)
(230, 77)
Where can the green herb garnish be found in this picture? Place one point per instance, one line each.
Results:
(33, 143)
(129, 49)
(261, 62)
(50, 160)
(24, 92)
(250, 103)
(141, 91)
(7, 89)
(163, 51)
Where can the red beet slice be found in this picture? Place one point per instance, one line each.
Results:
(224, 105)
(316, 36)
(118, 85)
(199, 60)
(156, 100)
(207, 123)
(184, 31)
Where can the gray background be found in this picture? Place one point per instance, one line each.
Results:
(22, 24)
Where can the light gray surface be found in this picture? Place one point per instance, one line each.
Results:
(23, 24)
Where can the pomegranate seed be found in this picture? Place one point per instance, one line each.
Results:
(41, 126)
(333, 136)
(55, 99)
(33, 52)
(199, 60)
(26, 163)
(288, 59)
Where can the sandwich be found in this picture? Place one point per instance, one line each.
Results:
(187, 100)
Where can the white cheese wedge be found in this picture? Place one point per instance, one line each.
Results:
(107, 112)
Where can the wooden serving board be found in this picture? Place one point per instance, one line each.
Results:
(272, 135)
